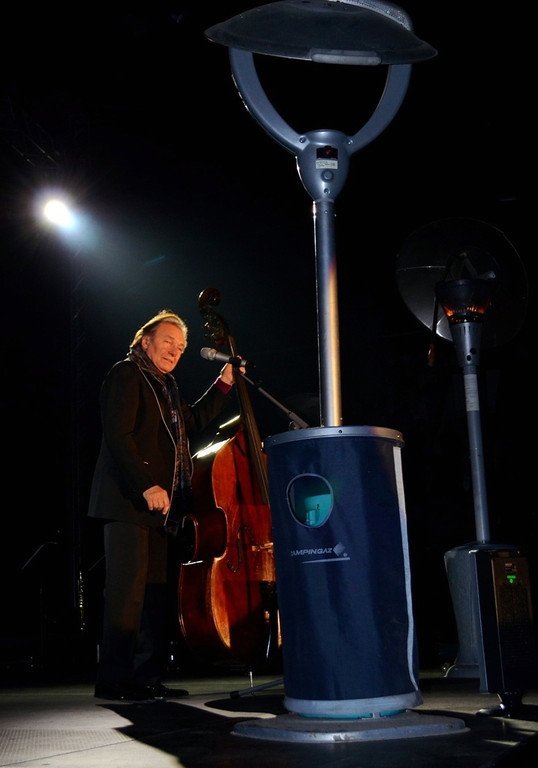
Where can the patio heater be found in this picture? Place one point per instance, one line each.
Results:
(336, 492)
(472, 272)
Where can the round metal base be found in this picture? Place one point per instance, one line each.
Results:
(295, 728)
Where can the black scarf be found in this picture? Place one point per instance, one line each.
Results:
(176, 424)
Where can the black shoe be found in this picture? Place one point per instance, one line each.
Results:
(122, 693)
(158, 691)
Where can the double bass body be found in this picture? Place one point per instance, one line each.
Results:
(227, 585)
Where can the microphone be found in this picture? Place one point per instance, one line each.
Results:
(211, 354)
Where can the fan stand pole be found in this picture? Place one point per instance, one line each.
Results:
(459, 562)
(467, 337)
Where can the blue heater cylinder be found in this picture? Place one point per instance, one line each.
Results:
(343, 573)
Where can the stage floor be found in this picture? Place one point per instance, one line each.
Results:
(64, 726)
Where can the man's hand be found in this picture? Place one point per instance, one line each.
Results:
(227, 373)
(157, 499)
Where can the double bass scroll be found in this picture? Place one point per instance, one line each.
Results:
(227, 587)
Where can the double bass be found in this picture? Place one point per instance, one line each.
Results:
(227, 586)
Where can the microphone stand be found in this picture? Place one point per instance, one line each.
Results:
(296, 421)
(42, 606)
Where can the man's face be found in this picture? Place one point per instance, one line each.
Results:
(165, 346)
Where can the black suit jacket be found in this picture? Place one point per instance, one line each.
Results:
(138, 448)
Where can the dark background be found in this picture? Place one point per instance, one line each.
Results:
(134, 113)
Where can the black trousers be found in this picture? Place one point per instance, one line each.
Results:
(133, 648)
